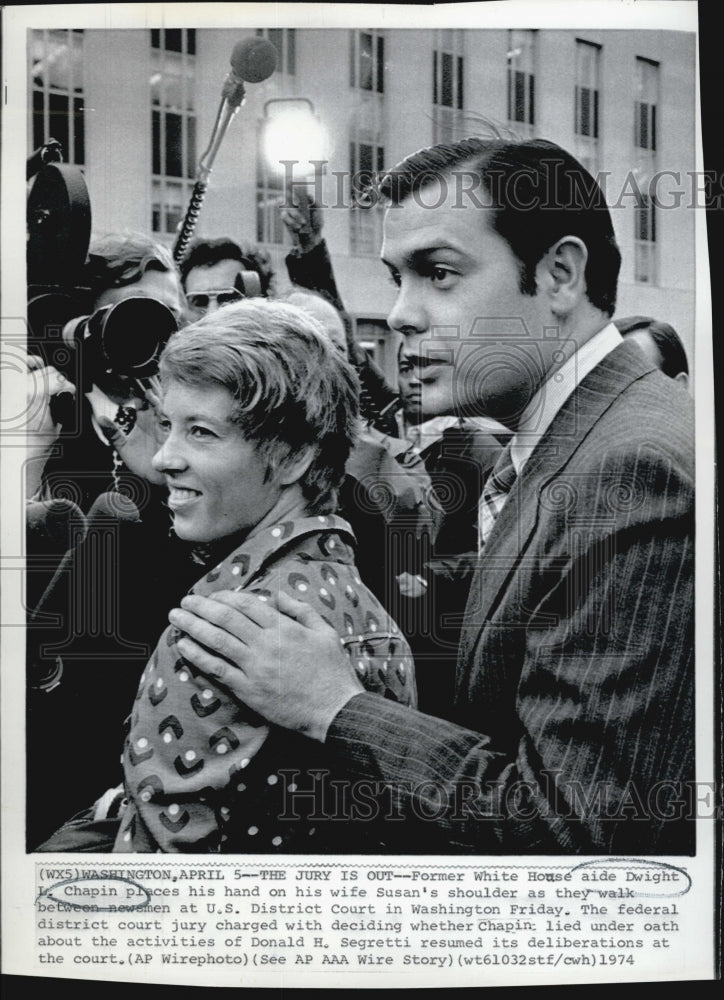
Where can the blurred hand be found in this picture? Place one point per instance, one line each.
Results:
(411, 586)
(287, 664)
(41, 383)
(132, 429)
(153, 391)
(303, 220)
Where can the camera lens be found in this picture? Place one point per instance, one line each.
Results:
(133, 333)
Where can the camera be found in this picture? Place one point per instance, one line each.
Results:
(125, 339)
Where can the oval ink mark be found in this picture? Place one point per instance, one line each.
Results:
(96, 894)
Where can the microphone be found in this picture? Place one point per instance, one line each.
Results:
(53, 530)
(108, 509)
(58, 524)
(252, 60)
(113, 506)
(80, 605)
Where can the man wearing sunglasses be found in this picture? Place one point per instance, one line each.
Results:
(217, 272)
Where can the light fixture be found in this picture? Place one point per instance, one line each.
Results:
(294, 140)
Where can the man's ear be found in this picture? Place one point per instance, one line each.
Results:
(294, 467)
(683, 378)
(561, 274)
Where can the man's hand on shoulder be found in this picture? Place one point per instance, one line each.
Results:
(287, 664)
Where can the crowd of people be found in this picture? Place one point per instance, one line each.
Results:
(467, 599)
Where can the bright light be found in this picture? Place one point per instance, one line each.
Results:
(293, 132)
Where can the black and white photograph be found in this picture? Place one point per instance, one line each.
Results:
(359, 474)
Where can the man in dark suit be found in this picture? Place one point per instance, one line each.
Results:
(574, 728)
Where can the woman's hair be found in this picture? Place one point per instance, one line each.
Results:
(292, 388)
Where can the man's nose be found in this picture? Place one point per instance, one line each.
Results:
(408, 314)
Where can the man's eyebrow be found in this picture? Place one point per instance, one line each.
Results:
(420, 256)
(435, 248)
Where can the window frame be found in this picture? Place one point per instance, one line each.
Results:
(646, 123)
(357, 72)
(173, 67)
(50, 103)
(365, 225)
(525, 75)
(286, 47)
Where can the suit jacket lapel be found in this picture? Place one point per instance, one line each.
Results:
(512, 531)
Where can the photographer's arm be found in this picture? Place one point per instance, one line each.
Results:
(131, 429)
(42, 382)
(308, 264)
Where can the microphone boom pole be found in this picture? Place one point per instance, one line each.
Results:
(253, 60)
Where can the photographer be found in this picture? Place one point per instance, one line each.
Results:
(93, 627)
(52, 525)
(111, 448)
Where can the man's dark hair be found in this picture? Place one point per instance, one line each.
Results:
(538, 194)
(668, 341)
(206, 253)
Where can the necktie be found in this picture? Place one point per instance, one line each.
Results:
(413, 436)
(497, 487)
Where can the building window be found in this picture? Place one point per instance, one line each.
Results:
(173, 126)
(174, 40)
(367, 61)
(56, 59)
(521, 77)
(447, 85)
(367, 160)
(645, 240)
(269, 198)
(284, 41)
(587, 104)
(587, 56)
(646, 99)
(645, 143)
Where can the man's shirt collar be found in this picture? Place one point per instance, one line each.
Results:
(552, 394)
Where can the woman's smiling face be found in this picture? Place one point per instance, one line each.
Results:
(217, 480)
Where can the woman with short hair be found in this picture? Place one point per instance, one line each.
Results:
(258, 414)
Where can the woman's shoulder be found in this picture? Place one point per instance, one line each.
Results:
(377, 648)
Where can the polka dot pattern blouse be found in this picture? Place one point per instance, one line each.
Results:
(202, 772)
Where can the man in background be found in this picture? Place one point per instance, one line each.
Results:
(660, 343)
(217, 272)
